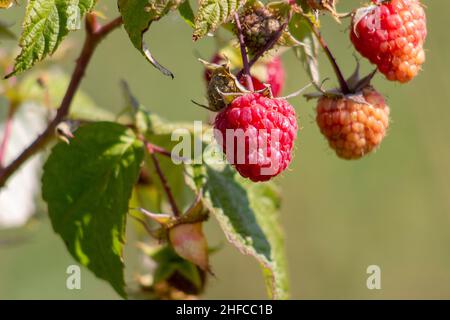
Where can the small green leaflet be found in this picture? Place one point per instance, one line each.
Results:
(137, 17)
(46, 24)
(87, 185)
(85, 6)
(187, 13)
(168, 263)
(248, 214)
(212, 13)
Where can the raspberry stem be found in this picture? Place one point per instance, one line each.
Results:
(162, 177)
(246, 73)
(342, 83)
(95, 33)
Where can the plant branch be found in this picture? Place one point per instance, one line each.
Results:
(167, 153)
(342, 83)
(246, 70)
(160, 150)
(162, 177)
(95, 33)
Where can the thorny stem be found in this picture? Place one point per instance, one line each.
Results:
(160, 150)
(95, 33)
(162, 177)
(269, 45)
(246, 70)
(6, 134)
(342, 83)
(166, 153)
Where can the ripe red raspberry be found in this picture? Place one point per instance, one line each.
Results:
(353, 129)
(257, 135)
(274, 75)
(391, 35)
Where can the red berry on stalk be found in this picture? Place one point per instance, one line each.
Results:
(257, 134)
(391, 34)
(352, 127)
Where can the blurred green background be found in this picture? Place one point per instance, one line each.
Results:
(391, 209)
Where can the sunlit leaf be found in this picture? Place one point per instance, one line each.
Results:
(46, 24)
(87, 185)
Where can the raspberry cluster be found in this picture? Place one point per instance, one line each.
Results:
(391, 35)
(257, 131)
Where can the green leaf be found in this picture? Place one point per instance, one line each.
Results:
(304, 5)
(159, 132)
(86, 6)
(46, 24)
(169, 262)
(187, 13)
(137, 17)
(87, 186)
(247, 213)
(308, 51)
(212, 13)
